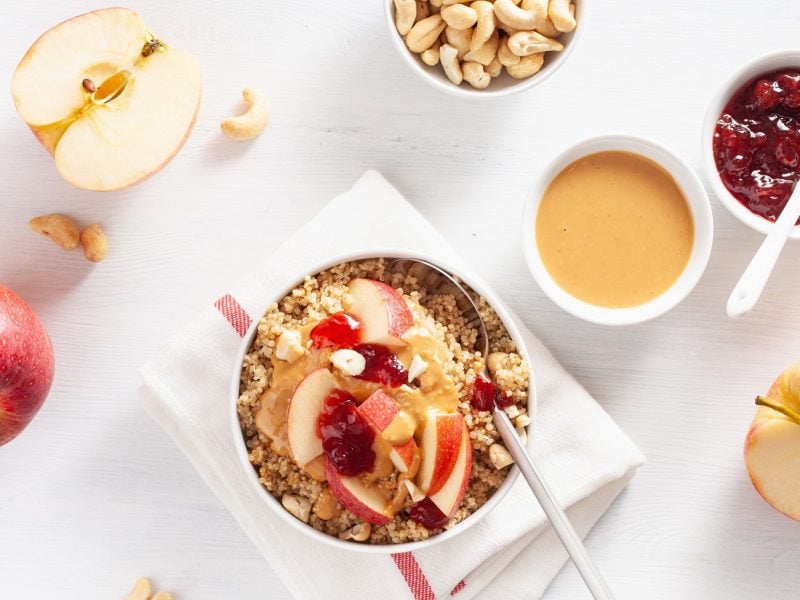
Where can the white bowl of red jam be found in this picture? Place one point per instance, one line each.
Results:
(617, 230)
(751, 139)
(245, 454)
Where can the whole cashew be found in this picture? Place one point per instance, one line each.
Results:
(459, 38)
(405, 13)
(459, 16)
(251, 123)
(547, 28)
(505, 55)
(495, 68)
(526, 43)
(448, 55)
(59, 228)
(562, 14)
(424, 33)
(495, 361)
(486, 53)
(475, 75)
(499, 456)
(485, 26)
(527, 66)
(524, 18)
(431, 56)
(94, 242)
(298, 506)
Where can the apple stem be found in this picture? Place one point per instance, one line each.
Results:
(793, 415)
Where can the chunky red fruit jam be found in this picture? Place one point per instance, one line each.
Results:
(757, 142)
(382, 365)
(427, 514)
(346, 436)
(341, 330)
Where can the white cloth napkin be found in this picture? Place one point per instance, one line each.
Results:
(511, 553)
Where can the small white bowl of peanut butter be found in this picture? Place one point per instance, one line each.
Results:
(617, 230)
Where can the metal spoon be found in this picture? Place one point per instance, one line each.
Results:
(435, 280)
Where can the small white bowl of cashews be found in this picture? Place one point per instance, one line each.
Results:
(483, 48)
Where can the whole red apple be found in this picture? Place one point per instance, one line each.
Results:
(26, 364)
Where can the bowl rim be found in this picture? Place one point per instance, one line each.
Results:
(444, 85)
(699, 205)
(238, 438)
(770, 61)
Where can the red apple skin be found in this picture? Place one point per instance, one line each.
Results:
(383, 312)
(399, 315)
(26, 365)
(347, 499)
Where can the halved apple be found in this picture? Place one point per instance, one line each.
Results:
(385, 417)
(442, 437)
(305, 406)
(382, 311)
(111, 102)
(449, 496)
(364, 502)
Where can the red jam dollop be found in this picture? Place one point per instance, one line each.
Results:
(341, 330)
(757, 142)
(485, 393)
(427, 514)
(346, 436)
(382, 365)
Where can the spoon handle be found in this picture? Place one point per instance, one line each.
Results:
(748, 290)
(558, 519)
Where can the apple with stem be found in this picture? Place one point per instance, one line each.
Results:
(772, 446)
(26, 365)
(110, 101)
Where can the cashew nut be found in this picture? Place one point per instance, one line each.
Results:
(475, 75)
(459, 38)
(485, 25)
(526, 43)
(495, 68)
(436, 3)
(405, 14)
(459, 16)
(94, 242)
(505, 55)
(431, 56)
(297, 506)
(486, 53)
(499, 456)
(424, 33)
(451, 2)
(523, 435)
(547, 28)
(59, 228)
(525, 17)
(289, 346)
(495, 361)
(423, 10)
(357, 533)
(448, 56)
(527, 66)
(522, 421)
(562, 14)
(349, 362)
(251, 123)
(141, 590)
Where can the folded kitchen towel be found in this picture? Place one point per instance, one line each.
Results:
(511, 553)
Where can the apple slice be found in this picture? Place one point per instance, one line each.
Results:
(449, 496)
(364, 502)
(386, 418)
(441, 442)
(383, 312)
(305, 406)
(110, 102)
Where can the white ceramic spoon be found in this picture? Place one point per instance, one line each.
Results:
(748, 290)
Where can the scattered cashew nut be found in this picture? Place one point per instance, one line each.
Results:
(475, 75)
(499, 456)
(357, 533)
(142, 590)
(562, 14)
(495, 361)
(495, 67)
(59, 228)
(252, 123)
(94, 242)
(405, 14)
(527, 66)
(431, 56)
(518, 17)
(485, 25)
(448, 56)
(526, 43)
(459, 16)
(424, 33)
(297, 506)
(486, 53)
(460, 39)
(504, 53)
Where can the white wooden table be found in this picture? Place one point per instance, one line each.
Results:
(94, 494)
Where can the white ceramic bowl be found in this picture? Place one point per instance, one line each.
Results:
(241, 450)
(751, 70)
(698, 204)
(504, 85)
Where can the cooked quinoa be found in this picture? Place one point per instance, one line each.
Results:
(320, 296)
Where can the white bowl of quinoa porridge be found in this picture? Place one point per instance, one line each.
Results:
(361, 411)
